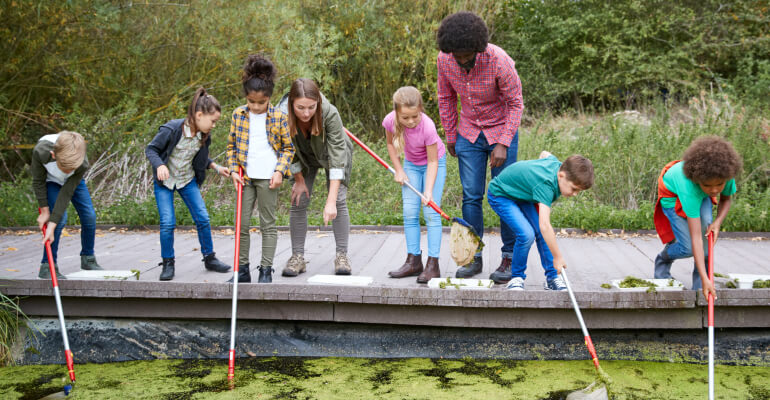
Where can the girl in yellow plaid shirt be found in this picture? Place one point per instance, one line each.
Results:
(259, 142)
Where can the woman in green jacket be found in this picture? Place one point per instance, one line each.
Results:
(320, 141)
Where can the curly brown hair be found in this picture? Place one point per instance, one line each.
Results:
(711, 157)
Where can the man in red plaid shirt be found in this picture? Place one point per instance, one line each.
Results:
(484, 79)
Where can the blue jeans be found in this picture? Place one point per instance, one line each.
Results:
(472, 159)
(522, 217)
(412, 202)
(191, 195)
(681, 247)
(81, 199)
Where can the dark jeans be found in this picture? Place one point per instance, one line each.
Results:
(81, 199)
(473, 159)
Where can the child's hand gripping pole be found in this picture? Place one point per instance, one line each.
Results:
(55, 282)
(234, 312)
(366, 148)
(711, 314)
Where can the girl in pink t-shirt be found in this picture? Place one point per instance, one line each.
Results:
(410, 131)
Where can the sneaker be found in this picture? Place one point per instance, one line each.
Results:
(295, 265)
(342, 264)
(89, 263)
(555, 284)
(516, 283)
(45, 272)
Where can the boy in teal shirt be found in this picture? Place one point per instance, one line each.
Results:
(522, 196)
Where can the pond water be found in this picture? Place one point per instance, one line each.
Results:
(360, 378)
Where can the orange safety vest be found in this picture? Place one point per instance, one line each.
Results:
(662, 224)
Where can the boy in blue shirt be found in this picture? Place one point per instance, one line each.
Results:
(522, 196)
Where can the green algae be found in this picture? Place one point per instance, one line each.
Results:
(760, 284)
(358, 378)
(632, 282)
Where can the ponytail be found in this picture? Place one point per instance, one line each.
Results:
(205, 103)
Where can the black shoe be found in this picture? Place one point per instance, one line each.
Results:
(213, 264)
(503, 273)
(244, 276)
(471, 269)
(265, 274)
(168, 269)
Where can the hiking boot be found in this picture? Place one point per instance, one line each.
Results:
(295, 266)
(516, 283)
(663, 264)
(89, 263)
(431, 271)
(555, 284)
(342, 264)
(244, 276)
(412, 267)
(167, 273)
(473, 268)
(213, 264)
(265, 274)
(503, 273)
(45, 272)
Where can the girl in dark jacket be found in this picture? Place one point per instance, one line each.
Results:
(179, 155)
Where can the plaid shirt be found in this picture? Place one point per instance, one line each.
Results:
(277, 135)
(490, 97)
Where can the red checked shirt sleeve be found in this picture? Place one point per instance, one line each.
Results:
(447, 97)
(490, 97)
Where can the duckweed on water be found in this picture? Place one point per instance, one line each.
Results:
(358, 378)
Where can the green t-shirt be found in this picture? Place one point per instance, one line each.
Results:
(535, 181)
(689, 193)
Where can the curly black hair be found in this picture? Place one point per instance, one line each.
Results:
(258, 75)
(462, 32)
(711, 157)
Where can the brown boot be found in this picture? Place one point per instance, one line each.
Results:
(412, 267)
(431, 271)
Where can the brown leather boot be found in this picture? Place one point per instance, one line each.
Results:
(412, 267)
(431, 271)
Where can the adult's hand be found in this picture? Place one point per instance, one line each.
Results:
(499, 155)
(297, 190)
(451, 148)
(330, 212)
(163, 173)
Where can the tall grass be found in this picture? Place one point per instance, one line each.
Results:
(11, 320)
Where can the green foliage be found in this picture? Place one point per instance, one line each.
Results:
(608, 54)
(115, 71)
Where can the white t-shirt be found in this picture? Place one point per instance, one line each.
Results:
(261, 158)
(54, 173)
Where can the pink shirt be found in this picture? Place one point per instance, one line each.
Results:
(490, 96)
(417, 138)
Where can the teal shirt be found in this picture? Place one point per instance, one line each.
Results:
(688, 192)
(535, 181)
